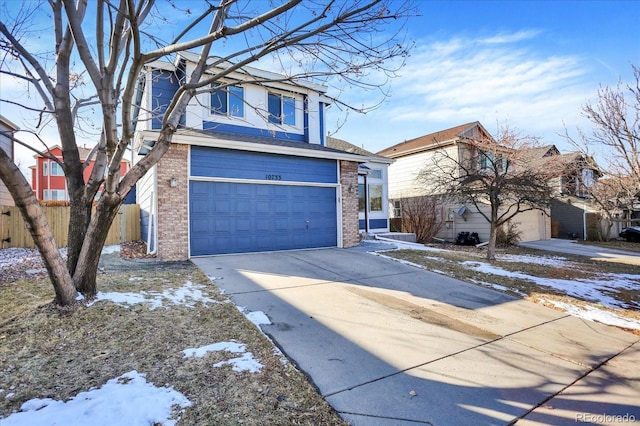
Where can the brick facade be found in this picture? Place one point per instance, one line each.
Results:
(349, 182)
(173, 212)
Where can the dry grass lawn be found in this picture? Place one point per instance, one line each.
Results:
(45, 353)
(448, 262)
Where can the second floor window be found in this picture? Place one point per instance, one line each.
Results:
(50, 168)
(228, 101)
(486, 160)
(282, 109)
(489, 160)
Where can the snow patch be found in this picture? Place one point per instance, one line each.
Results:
(232, 347)
(598, 315)
(128, 397)
(246, 362)
(256, 317)
(187, 295)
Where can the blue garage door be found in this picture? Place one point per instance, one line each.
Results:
(246, 217)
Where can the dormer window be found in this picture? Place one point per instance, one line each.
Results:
(282, 109)
(228, 100)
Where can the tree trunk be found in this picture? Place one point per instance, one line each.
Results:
(493, 228)
(86, 270)
(79, 217)
(38, 227)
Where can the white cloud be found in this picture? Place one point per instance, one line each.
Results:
(504, 77)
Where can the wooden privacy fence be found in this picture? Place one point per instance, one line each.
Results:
(125, 227)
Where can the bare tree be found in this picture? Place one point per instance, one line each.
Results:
(421, 215)
(99, 50)
(615, 139)
(500, 178)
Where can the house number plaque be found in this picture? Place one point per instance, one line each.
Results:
(274, 177)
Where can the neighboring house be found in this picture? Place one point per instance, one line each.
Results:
(572, 204)
(6, 143)
(373, 187)
(248, 171)
(47, 177)
(412, 156)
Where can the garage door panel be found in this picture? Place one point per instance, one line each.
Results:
(257, 217)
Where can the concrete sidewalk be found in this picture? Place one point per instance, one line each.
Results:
(594, 252)
(391, 344)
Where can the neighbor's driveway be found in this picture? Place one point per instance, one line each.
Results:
(594, 252)
(391, 344)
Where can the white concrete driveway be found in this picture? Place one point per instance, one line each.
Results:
(391, 344)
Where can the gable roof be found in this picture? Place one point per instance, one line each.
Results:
(343, 145)
(432, 140)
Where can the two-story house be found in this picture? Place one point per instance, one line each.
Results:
(7, 128)
(572, 205)
(248, 171)
(413, 156)
(47, 177)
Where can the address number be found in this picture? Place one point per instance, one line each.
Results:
(274, 177)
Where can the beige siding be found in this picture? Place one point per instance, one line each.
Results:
(533, 225)
(403, 173)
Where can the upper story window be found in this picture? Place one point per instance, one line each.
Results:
(490, 160)
(282, 109)
(56, 169)
(486, 160)
(227, 101)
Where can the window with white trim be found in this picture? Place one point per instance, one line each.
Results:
(54, 195)
(56, 169)
(282, 109)
(397, 208)
(227, 101)
(375, 198)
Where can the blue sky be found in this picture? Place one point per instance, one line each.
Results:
(531, 64)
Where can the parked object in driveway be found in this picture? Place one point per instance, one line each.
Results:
(631, 234)
(468, 239)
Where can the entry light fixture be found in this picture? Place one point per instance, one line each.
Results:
(172, 182)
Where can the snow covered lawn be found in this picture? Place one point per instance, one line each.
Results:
(597, 291)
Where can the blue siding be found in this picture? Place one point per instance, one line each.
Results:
(373, 224)
(252, 131)
(241, 218)
(378, 223)
(228, 163)
(165, 85)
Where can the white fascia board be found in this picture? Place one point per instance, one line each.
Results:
(161, 65)
(12, 126)
(256, 147)
(267, 78)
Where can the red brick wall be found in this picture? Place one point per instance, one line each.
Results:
(173, 212)
(349, 182)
